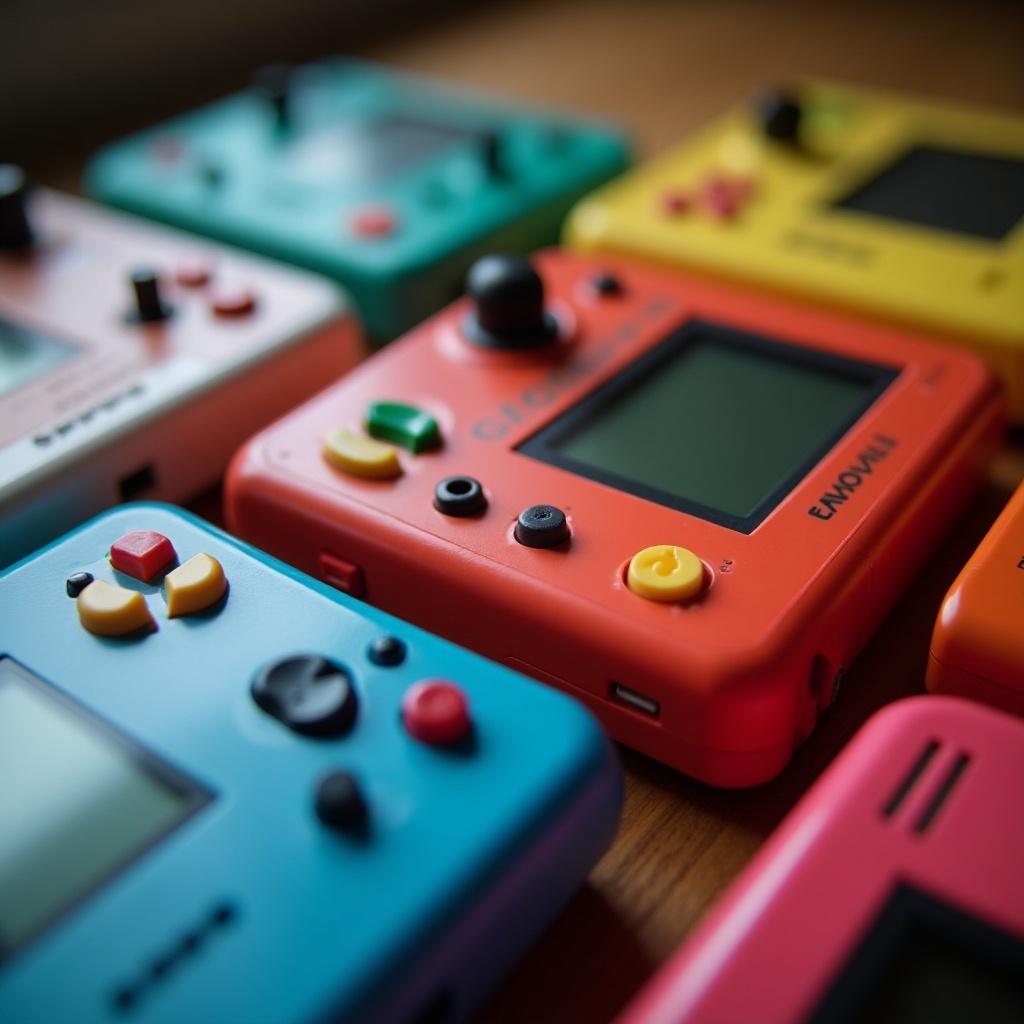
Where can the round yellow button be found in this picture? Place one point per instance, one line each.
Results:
(361, 456)
(665, 572)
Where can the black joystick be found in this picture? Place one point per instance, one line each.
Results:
(780, 115)
(492, 155)
(274, 84)
(149, 306)
(508, 305)
(15, 229)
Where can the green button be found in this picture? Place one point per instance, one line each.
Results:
(406, 425)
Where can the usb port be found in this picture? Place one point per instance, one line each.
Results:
(636, 701)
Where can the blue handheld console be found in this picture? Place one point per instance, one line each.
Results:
(231, 793)
(389, 183)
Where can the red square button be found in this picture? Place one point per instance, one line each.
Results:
(142, 554)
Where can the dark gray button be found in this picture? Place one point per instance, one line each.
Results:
(542, 526)
(339, 801)
(311, 695)
(459, 496)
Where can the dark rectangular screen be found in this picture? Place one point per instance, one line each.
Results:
(967, 193)
(79, 800)
(925, 961)
(361, 151)
(713, 422)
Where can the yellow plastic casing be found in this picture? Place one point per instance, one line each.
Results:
(786, 232)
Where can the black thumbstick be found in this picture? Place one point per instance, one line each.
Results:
(492, 155)
(508, 305)
(339, 801)
(274, 84)
(780, 115)
(15, 229)
(149, 306)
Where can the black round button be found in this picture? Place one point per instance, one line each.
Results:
(542, 526)
(459, 496)
(311, 695)
(780, 115)
(77, 582)
(606, 284)
(387, 651)
(15, 229)
(508, 305)
(339, 801)
(150, 307)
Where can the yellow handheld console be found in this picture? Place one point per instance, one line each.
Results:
(909, 210)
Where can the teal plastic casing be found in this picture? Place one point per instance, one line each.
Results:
(456, 174)
(251, 908)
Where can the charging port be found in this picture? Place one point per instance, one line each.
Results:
(135, 485)
(637, 701)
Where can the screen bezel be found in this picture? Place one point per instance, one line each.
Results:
(877, 378)
(194, 795)
(907, 906)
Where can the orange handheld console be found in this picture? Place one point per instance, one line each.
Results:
(107, 395)
(978, 644)
(688, 505)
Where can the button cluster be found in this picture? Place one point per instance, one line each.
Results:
(110, 610)
(719, 196)
(374, 456)
(193, 274)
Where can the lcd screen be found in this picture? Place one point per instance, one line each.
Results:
(927, 962)
(26, 355)
(79, 800)
(713, 422)
(371, 150)
(967, 193)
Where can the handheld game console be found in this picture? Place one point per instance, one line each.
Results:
(250, 798)
(891, 893)
(688, 505)
(391, 184)
(977, 648)
(135, 359)
(906, 209)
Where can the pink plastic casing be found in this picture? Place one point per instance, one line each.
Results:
(772, 947)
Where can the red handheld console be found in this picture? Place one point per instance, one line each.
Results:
(688, 505)
(891, 894)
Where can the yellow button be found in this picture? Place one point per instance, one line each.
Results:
(107, 610)
(665, 573)
(361, 456)
(194, 586)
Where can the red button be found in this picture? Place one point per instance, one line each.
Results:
(235, 302)
(675, 202)
(373, 222)
(436, 712)
(142, 554)
(342, 575)
(194, 274)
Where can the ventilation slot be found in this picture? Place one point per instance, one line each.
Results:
(910, 779)
(942, 794)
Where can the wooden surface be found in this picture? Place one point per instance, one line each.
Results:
(662, 69)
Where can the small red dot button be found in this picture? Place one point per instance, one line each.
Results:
(194, 274)
(675, 202)
(373, 222)
(141, 554)
(436, 712)
(233, 302)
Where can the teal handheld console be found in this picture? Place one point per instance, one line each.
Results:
(231, 793)
(389, 183)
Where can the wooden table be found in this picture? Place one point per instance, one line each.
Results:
(662, 69)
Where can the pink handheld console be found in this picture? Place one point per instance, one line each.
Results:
(894, 891)
(134, 359)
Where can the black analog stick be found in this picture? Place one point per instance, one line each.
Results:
(150, 307)
(15, 229)
(508, 305)
(780, 115)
